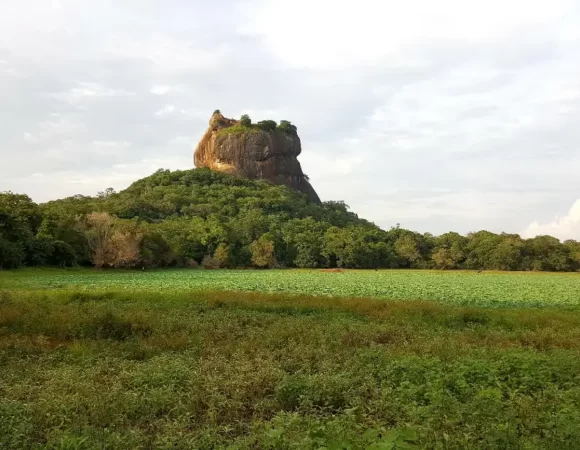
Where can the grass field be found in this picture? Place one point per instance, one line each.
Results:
(489, 289)
(159, 360)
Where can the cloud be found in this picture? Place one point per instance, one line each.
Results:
(449, 115)
(375, 32)
(166, 110)
(566, 227)
(160, 90)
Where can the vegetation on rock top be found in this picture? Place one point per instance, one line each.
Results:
(245, 125)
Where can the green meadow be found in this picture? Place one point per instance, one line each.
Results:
(466, 288)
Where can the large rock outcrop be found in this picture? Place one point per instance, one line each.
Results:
(253, 152)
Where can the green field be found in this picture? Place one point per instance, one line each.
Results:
(194, 359)
(488, 289)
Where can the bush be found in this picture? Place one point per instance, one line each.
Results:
(288, 128)
(217, 111)
(222, 255)
(263, 254)
(267, 125)
(245, 120)
(239, 129)
(111, 326)
(209, 262)
(63, 255)
(11, 254)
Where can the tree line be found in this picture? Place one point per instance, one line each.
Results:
(200, 217)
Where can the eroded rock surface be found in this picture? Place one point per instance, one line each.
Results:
(253, 153)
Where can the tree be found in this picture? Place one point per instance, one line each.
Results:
(39, 250)
(106, 193)
(574, 249)
(245, 120)
(287, 127)
(445, 258)
(407, 249)
(11, 254)
(263, 253)
(63, 255)
(305, 239)
(548, 253)
(155, 250)
(99, 228)
(449, 252)
(176, 218)
(267, 125)
(222, 255)
(22, 208)
(19, 221)
(209, 262)
(123, 249)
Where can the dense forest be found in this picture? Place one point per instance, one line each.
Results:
(200, 217)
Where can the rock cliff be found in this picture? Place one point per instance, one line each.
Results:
(256, 152)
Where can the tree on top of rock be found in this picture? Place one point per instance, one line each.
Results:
(287, 127)
(245, 120)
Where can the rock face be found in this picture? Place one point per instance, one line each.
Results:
(254, 153)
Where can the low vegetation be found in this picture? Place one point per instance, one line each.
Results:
(89, 369)
(245, 125)
(180, 218)
(503, 289)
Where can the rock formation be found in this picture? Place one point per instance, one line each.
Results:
(256, 152)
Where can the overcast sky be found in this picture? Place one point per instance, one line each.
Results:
(438, 115)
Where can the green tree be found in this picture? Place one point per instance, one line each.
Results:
(287, 127)
(245, 120)
(263, 253)
(548, 253)
(267, 125)
(222, 254)
(62, 255)
(449, 251)
(407, 250)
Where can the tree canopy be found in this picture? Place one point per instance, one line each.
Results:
(191, 217)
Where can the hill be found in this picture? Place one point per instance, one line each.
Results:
(200, 216)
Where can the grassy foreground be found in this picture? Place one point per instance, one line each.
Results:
(119, 370)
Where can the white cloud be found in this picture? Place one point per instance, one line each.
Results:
(30, 138)
(166, 110)
(566, 227)
(340, 34)
(160, 90)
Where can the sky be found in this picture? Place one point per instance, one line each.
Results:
(450, 115)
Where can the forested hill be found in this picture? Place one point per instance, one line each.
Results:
(191, 217)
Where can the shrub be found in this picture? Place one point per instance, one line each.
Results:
(210, 262)
(239, 129)
(222, 255)
(110, 326)
(287, 127)
(267, 125)
(263, 254)
(245, 120)
(63, 254)
(11, 254)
